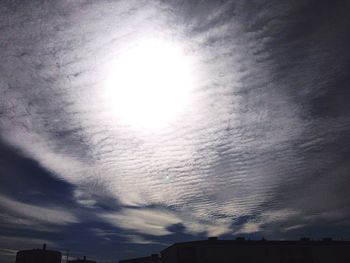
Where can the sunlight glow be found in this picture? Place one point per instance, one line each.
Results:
(149, 84)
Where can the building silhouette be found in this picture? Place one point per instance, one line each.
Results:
(154, 258)
(84, 260)
(38, 256)
(255, 251)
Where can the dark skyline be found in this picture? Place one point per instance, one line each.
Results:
(126, 126)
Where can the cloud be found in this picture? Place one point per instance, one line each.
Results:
(271, 220)
(133, 239)
(157, 222)
(136, 239)
(248, 228)
(83, 198)
(278, 215)
(19, 213)
(294, 227)
(145, 221)
(217, 228)
(8, 252)
(259, 135)
(9, 245)
(15, 243)
(213, 229)
(105, 234)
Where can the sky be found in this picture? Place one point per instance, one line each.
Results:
(126, 126)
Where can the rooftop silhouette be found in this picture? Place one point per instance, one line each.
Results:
(213, 250)
(84, 260)
(154, 258)
(38, 256)
(45, 256)
(241, 250)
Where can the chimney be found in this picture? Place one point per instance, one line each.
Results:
(44, 247)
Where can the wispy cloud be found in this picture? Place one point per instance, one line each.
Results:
(8, 252)
(15, 243)
(28, 214)
(145, 221)
(248, 228)
(9, 245)
(137, 239)
(216, 228)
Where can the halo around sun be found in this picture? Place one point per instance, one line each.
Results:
(149, 84)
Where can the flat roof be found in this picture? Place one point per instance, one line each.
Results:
(243, 242)
(38, 251)
(150, 258)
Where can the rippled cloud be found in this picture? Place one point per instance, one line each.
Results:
(264, 135)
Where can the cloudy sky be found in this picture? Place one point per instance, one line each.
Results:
(128, 125)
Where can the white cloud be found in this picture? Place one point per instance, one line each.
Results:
(273, 216)
(30, 214)
(216, 228)
(248, 228)
(156, 222)
(146, 221)
(134, 239)
(293, 227)
(137, 239)
(83, 198)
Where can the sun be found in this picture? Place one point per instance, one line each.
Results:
(149, 84)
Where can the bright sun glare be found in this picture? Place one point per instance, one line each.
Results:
(149, 84)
